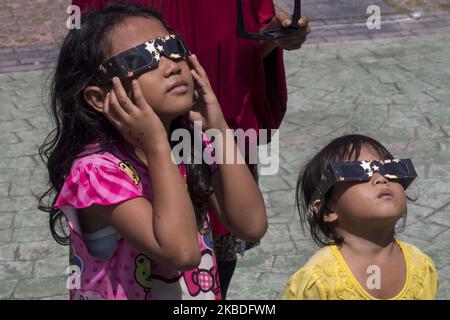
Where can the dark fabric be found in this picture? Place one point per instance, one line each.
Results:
(226, 270)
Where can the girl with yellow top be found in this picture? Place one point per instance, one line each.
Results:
(351, 196)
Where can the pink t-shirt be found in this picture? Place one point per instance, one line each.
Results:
(107, 178)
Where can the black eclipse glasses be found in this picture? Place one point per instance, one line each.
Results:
(141, 58)
(397, 170)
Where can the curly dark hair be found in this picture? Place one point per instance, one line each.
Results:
(78, 125)
(345, 148)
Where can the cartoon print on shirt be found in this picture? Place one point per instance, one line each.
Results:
(74, 259)
(131, 171)
(205, 233)
(202, 281)
(142, 273)
(165, 283)
(86, 295)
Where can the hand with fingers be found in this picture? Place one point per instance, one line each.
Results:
(137, 122)
(206, 108)
(282, 20)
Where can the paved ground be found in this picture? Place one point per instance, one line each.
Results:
(397, 90)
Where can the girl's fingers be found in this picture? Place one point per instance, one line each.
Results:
(122, 96)
(200, 81)
(303, 21)
(107, 112)
(198, 67)
(138, 95)
(116, 107)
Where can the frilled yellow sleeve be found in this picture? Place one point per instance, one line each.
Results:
(430, 281)
(304, 285)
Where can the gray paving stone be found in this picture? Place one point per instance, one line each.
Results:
(7, 288)
(35, 136)
(441, 217)
(6, 115)
(274, 284)
(40, 288)
(281, 214)
(31, 234)
(258, 259)
(239, 286)
(10, 270)
(295, 230)
(6, 219)
(26, 113)
(270, 183)
(439, 251)
(10, 170)
(432, 30)
(277, 232)
(8, 138)
(31, 251)
(444, 273)
(25, 162)
(323, 9)
(40, 122)
(283, 247)
(424, 231)
(18, 203)
(15, 126)
(281, 199)
(417, 212)
(444, 290)
(20, 68)
(35, 185)
(290, 262)
(8, 252)
(5, 236)
(57, 297)
(30, 218)
(421, 244)
(431, 200)
(50, 267)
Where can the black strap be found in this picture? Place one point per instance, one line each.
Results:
(297, 11)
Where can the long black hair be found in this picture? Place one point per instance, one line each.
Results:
(345, 148)
(77, 124)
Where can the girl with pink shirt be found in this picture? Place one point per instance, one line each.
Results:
(139, 223)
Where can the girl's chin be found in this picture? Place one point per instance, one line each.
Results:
(388, 217)
(175, 112)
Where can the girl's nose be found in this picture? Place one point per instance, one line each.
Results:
(378, 178)
(169, 67)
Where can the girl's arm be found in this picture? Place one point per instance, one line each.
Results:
(237, 199)
(166, 230)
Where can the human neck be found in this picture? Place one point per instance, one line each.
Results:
(372, 242)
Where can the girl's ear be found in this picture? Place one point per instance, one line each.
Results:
(315, 206)
(95, 97)
(329, 217)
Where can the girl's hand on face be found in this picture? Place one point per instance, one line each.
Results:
(137, 123)
(206, 108)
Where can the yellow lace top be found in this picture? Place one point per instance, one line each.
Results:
(326, 276)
